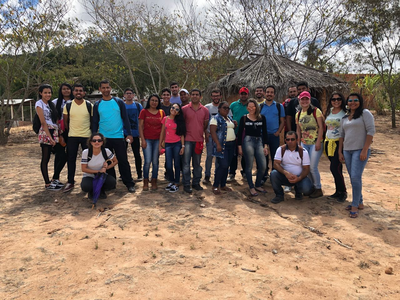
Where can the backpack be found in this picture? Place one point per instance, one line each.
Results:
(298, 149)
(103, 151)
(89, 109)
(314, 113)
(36, 124)
(278, 107)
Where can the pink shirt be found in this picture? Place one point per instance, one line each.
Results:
(170, 131)
(195, 120)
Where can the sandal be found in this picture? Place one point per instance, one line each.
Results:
(253, 194)
(353, 214)
(216, 191)
(261, 190)
(226, 189)
(360, 207)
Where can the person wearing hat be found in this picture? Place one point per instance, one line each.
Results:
(310, 129)
(238, 109)
(185, 97)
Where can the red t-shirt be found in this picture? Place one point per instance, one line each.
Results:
(170, 131)
(151, 123)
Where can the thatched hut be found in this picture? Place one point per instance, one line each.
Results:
(282, 73)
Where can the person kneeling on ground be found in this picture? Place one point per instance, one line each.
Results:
(292, 165)
(95, 160)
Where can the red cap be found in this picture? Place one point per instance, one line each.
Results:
(305, 94)
(244, 90)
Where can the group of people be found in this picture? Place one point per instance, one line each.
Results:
(178, 125)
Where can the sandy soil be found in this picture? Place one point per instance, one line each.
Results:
(159, 245)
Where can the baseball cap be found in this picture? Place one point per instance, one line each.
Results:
(305, 94)
(244, 90)
(184, 90)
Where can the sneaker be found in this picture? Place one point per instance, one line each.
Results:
(53, 187)
(287, 189)
(187, 189)
(57, 182)
(169, 186)
(68, 187)
(277, 200)
(206, 180)
(197, 187)
(333, 196)
(120, 178)
(174, 188)
(131, 189)
(342, 197)
(140, 178)
(231, 177)
(317, 193)
(298, 196)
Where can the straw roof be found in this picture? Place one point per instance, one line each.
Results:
(280, 72)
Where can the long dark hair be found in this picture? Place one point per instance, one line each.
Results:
(61, 98)
(342, 105)
(180, 121)
(148, 101)
(89, 141)
(360, 108)
(53, 110)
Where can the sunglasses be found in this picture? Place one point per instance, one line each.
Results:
(353, 100)
(336, 99)
(175, 108)
(290, 139)
(225, 107)
(97, 140)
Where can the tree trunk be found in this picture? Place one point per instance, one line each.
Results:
(393, 106)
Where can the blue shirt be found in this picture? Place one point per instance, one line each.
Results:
(271, 113)
(133, 115)
(110, 124)
(176, 99)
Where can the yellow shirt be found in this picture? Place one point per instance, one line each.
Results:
(309, 126)
(79, 119)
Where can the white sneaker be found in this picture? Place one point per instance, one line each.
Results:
(68, 187)
(231, 177)
(53, 187)
(57, 182)
(174, 188)
(169, 186)
(287, 189)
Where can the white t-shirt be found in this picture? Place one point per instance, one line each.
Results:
(46, 112)
(332, 122)
(291, 160)
(97, 161)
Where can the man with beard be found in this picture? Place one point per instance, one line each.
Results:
(110, 119)
(274, 113)
(185, 97)
(259, 93)
(77, 119)
(174, 87)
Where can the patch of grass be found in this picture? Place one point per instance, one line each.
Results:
(192, 247)
(96, 245)
(363, 265)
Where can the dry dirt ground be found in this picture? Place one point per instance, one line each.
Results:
(159, 245)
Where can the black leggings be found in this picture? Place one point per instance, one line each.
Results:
(337, 169)
(58, 162)
(46, 152)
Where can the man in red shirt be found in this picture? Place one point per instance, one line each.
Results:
(196, 119)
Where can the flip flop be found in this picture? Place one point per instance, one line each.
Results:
(353, 214)
(348, 207)
(261, 190)
(253, 194)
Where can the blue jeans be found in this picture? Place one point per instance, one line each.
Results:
(355, 168)
(151, 155)
(273, 143)
(172, 154)
(222, 165)
(196, 160)
(314, 161)
(209, 158)
(253, 148)
(278, 179)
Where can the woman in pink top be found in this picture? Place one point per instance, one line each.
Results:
(172, 138)
(149, 130)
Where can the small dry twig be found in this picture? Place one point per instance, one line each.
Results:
(341, 244)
